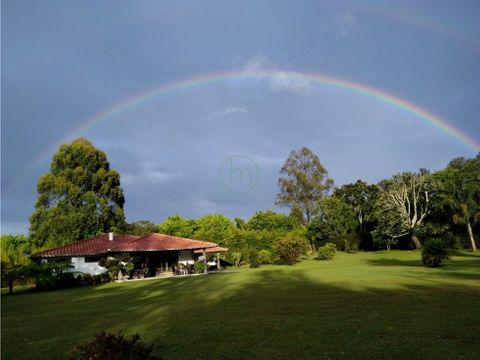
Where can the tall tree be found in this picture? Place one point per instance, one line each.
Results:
(80, 197)
(303, 182)
(404, 203)
(362, 198)
(460, 185)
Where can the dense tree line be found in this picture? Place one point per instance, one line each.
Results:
(81, 196)
(401, 212)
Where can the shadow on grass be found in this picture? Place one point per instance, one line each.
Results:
(457, 267)
(263, 313)
(466, 253)
(395, 262)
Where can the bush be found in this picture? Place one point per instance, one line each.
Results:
(265, 257)
(114, 347)
(120, 263)
(45, 282)
(235, 257)
(290, 248)
(199, 267)
(326, 252)
(87, 279)
(347, 242)
(434, 252)
(53, 275)
(55, 281)
(253, 258)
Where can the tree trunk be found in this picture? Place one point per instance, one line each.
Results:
(10, 286)
(418, 244)
(470, 235)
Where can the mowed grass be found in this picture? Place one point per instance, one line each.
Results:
(382, 305)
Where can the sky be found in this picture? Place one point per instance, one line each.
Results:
(216, 144)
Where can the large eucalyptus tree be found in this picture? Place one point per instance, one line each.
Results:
(80, 197)
(303, 182)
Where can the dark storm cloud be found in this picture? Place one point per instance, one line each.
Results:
(64, 61)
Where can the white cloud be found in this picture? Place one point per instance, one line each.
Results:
(231, 111)
(278, 80)
(347, 23)
(159, 176)
(283, 81)
(205, 204)
(148, 171)
(152, 176)
(258, 63)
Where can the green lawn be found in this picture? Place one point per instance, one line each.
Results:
(357, 306)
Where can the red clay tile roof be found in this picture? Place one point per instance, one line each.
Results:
(99, 245)
(96, 245)
(162, 242)
(212, 250)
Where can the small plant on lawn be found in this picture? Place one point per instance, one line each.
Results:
(265, 257)
(290, 248)
(434, 252)
(326, 252)
(114, 347)
(199, 267)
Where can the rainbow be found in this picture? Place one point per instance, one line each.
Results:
(314, 78)
(411, 17)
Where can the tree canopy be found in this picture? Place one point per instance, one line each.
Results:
(460, 193)
(272, 221)
(405, 202)
(177, 225)
(80, 197)
(361, 197)
(303, 182)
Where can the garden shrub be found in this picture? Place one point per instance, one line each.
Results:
(97, 279)
(434, 251)
(52, 275)
(265, 257)
(347, 242)
(87, 279)
(290, 248)
(253, 259)
(199, 267)
(108, 346)
(234, 257)
(55, 281)
(44, 282)
(326, 252)
(120, 263)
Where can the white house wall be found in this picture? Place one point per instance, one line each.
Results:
(79, 265)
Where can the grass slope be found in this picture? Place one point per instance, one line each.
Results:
(361, 306)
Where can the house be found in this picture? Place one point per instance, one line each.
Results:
(152, 255)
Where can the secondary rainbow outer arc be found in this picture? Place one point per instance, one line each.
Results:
(422, 22)
(318, 78)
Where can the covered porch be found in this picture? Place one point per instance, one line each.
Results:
(174, 262)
